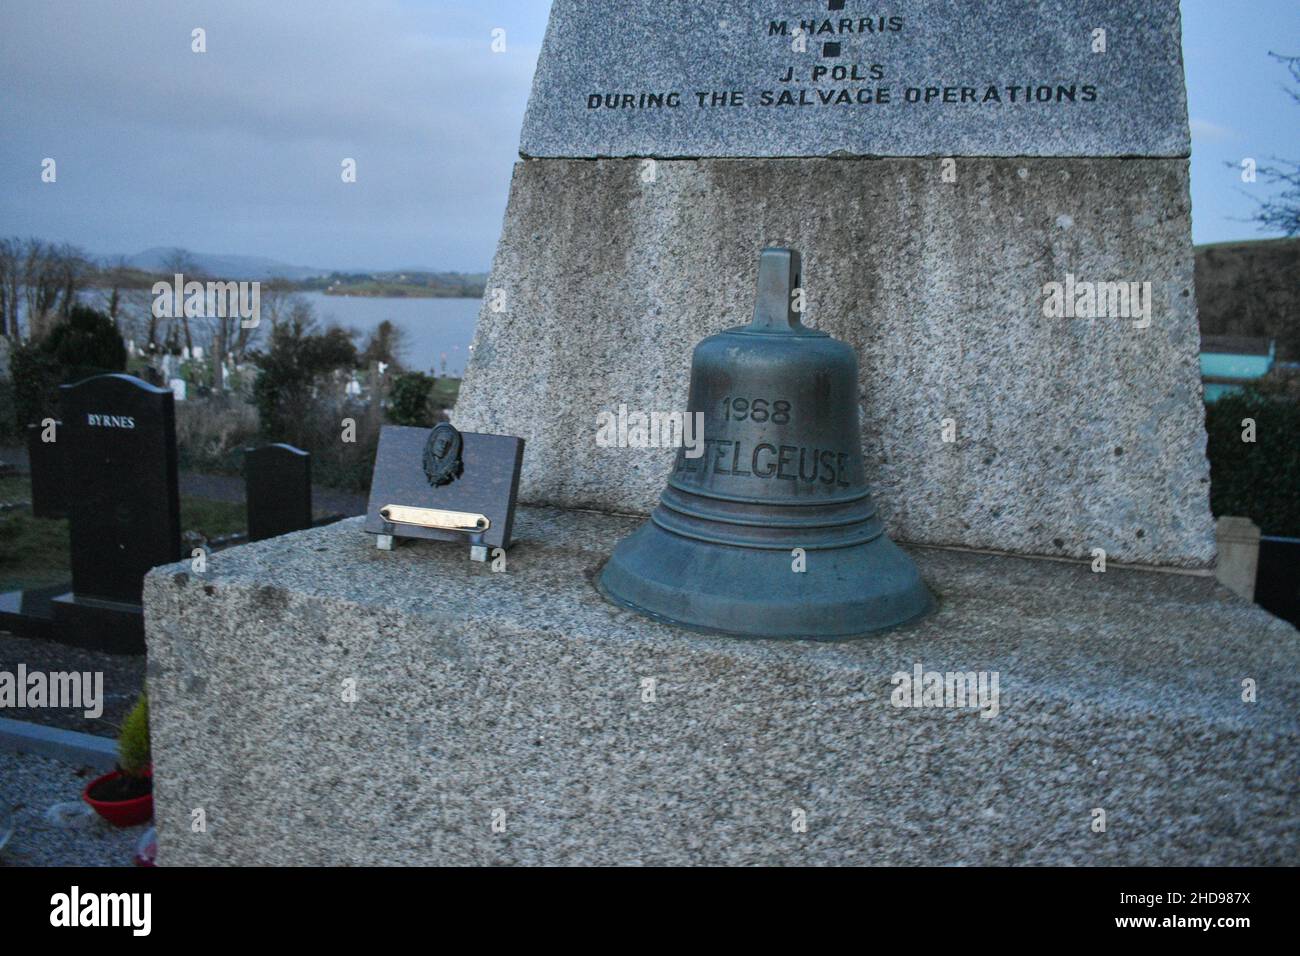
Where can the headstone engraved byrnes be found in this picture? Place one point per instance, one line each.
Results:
(772, 531)
(277, 483)
(440, 484)
(858, 78)
(124, 506)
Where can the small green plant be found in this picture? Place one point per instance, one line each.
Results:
(86, 343)
(409, 402)
(36, 380)
(297, 369)
(133, 755)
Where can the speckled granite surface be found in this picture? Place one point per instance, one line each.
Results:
(926, 77)
(1067, 434)
(517, 698)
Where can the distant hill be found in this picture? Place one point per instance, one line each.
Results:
(399, 285)
(158, 259)
(1251, 288)
(402, 283)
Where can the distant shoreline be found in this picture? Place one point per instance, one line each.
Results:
(398, 285)
(389, 294)
(101, 287)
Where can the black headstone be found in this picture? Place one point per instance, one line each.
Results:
(119, 439)
(1277, 585)
(48, 472)
(30, 612)
(277, 483)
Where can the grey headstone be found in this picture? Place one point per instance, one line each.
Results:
(929, 77)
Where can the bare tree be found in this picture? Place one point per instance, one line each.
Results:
(112, 284)
(225, 335)
(41, 284)
(1281, 212)
(230, 336)
(246, 337)
(73, 268)
(51, 278)
(385, 344)
(11, 282)
(279, 299)
(180, 262)
(135, 317)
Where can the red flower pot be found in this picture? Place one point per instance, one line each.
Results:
(121, 813)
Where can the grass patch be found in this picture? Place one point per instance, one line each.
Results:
(446, 391)
(15, 488)
(34, 551)
(212, 518)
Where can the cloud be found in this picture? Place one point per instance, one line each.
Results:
(1209, 132)
(239, 149)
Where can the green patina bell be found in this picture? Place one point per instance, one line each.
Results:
(771, 532)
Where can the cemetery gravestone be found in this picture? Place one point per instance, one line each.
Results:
(951, 173)
(1277, 586)
(120, 441)
(48, 472)
(277, 481)
(30, 612)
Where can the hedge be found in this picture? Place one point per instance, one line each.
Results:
(1259, 480)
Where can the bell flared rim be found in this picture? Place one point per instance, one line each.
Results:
(743, 592)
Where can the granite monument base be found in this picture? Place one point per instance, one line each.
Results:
(114, 627)
(985, 422)
(325, 703)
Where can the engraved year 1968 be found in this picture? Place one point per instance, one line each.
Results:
(758, 410)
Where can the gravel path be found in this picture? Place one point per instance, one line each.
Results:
(29, 786)
(123, 680)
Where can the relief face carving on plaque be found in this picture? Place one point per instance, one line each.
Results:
(441, 484)
(442, 455)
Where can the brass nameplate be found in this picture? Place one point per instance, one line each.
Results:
(435, 518)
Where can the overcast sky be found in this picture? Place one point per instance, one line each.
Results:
(238, 150)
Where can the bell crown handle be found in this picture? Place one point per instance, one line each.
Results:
(778, 277)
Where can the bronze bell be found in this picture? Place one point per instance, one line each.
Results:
(781, 471)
